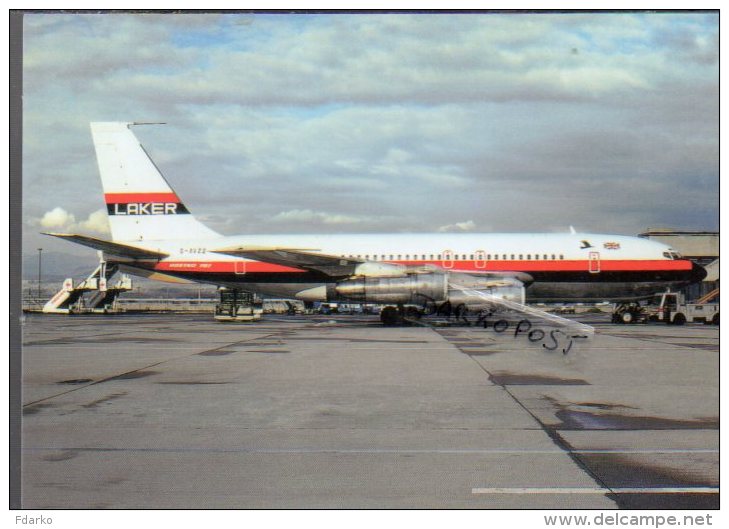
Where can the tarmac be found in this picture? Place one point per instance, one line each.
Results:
(179, 411)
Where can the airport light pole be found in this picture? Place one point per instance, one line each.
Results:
(40, 253)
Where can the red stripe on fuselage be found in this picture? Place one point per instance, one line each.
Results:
(458, 266)
(240, 267)
(140, 198)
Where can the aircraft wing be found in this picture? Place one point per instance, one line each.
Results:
(109, 247)
(298, 258)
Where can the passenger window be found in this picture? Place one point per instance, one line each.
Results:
(521, 257)
(553, 257)
(529, 257)
(536, 257)
(561, 256)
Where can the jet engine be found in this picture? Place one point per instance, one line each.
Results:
(410, 289)
(424, 288)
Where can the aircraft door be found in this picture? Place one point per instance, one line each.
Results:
(240, 267)
(447, 261)
(480, 259)
(594, 262)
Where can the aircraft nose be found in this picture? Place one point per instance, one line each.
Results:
(698, 273)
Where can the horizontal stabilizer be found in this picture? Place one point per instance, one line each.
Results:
(109, 247)
(297, 258)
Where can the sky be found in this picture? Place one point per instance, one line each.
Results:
(380, 123)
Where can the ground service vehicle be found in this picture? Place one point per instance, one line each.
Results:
(668, 307)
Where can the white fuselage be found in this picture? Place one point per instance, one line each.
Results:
(574, 266)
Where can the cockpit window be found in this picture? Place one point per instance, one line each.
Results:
(670, 254)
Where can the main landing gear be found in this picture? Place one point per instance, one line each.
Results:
(237, 305)
(391, 316)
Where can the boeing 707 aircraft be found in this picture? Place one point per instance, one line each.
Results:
(153, 234)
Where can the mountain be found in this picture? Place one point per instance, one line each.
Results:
(56, 266)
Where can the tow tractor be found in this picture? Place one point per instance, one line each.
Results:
(671, 308)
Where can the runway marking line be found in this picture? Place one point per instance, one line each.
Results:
(595, 490)
(363, 451)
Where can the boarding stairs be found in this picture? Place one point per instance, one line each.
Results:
(708, 297)
(71, 298)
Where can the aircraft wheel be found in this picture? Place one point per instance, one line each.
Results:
(679, 319)
(627, 317)
(715, 319)
(390, 316)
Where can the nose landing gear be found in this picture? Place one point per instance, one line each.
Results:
(626, 313)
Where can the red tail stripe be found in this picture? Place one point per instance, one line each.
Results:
(132, 198)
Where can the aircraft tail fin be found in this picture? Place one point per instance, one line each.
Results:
(141, 204)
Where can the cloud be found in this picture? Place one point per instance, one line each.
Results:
(60, 219)
(309, 216)
(375, 59)
(98, 222)
(468, 225)
(384, 123)
(57, 218)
